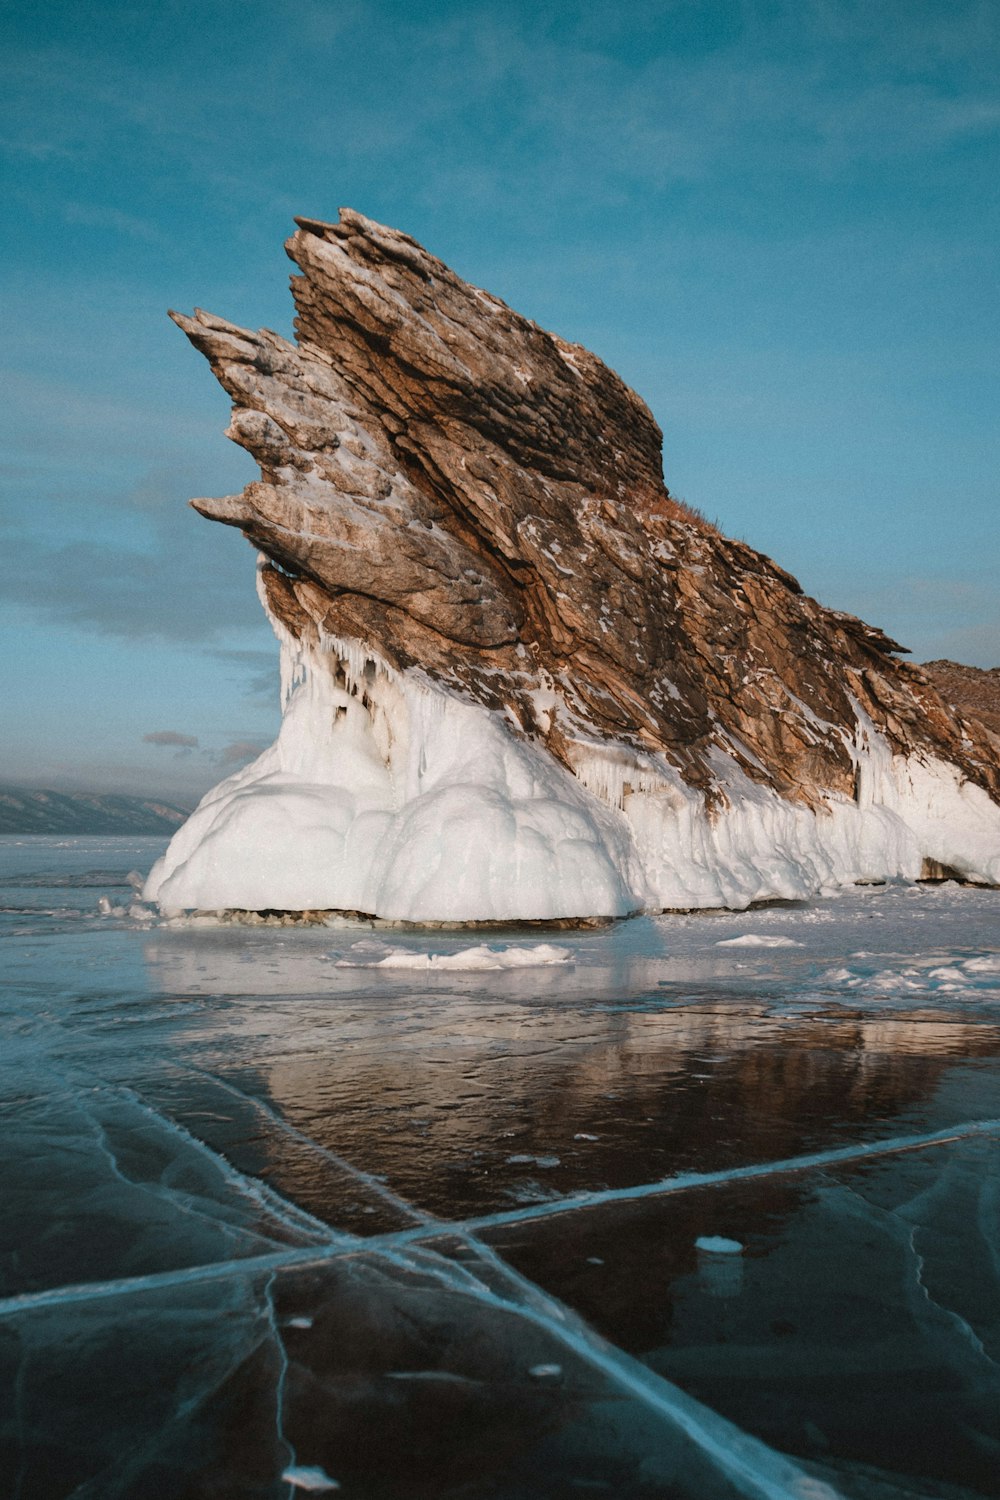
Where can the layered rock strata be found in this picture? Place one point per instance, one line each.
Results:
(972, 692)
(521, 679)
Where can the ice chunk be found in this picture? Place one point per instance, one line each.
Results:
(480, 957)
(317, 1481)
(988, 964)
(758, 940)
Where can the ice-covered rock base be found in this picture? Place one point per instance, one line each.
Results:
(385, 795)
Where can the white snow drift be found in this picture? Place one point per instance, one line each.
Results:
(383, 794)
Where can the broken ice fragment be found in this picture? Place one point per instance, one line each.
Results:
(316, 1480)
(757, 940)
(717, 1244)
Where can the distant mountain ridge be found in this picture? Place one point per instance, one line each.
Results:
(38, 810)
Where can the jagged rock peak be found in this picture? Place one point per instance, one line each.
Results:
(479, 505)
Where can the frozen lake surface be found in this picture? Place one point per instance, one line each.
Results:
(700, 1206)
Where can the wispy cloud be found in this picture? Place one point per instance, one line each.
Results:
(509, 102)
(170, 737)
(257, 670)
(94, 216)
(157, 571)
(239, 752)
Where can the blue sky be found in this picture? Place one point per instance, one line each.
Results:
(779, 222)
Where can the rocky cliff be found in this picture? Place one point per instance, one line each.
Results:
(462, 515)
(972, 692)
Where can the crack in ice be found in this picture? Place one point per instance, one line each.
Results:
(686, 1180)
(279, 1391)
(371, 1182)
(965, 1330)
(895, 1223)
(163, 1193)
(296, 1220)
(755, 1470)
(154, 1281)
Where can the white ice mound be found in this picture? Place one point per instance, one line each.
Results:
(385, 795)
(482, 956)
(758, 940)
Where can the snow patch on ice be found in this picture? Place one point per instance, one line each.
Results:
(717, 1244)
(479, 957)
(969, 979)
(758, 940)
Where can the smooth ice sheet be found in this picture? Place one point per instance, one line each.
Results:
(438, 1229)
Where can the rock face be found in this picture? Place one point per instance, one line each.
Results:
(457, 505)
(973, 692)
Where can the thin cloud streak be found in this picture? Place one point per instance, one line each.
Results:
(170, 737)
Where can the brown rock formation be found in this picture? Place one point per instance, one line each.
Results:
(973, 692)
(469, 495)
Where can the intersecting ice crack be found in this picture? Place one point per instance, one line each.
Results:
(334, 1244)
(297, 1220)
(217, 1270)
(122, 1473)
(755, 1470)
(159, 1190)
(683, 1181)
(279, 1393)
(372, 1183)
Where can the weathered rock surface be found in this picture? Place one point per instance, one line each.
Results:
(973, 692)
(477, 502)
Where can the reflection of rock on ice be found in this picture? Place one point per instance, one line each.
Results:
(720, 1265)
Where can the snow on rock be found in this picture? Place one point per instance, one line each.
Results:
(520, 680)
(385, 795)
(418, 808)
